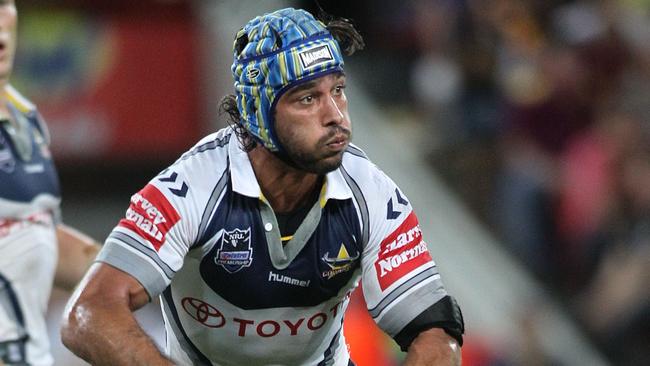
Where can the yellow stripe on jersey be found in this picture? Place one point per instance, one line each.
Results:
(17, 100)
(263, 199)
(323, 189)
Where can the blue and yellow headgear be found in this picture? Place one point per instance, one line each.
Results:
(273, 53)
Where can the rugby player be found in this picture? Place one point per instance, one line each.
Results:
(255, 238)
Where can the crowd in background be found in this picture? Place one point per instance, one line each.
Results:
(537, 113)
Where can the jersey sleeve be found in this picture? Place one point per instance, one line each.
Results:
(400, 279)
(159, 227)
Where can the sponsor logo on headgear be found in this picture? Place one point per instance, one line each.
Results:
(343, 262)
(315, 56)
(235, 252)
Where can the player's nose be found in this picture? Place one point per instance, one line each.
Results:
(332, 111)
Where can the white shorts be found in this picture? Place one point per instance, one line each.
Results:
(28, 258)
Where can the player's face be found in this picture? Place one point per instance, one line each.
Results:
(313, 124)
(8, 22)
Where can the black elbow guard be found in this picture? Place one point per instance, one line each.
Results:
(443, 314)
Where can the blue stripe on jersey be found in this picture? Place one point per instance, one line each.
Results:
(363, 206)
(315, 275)
(6, 288)
(212, 203)
(356, 152)
(149, 252)
(396, 293)
(210, 145)
(13, 351)
(328, 355)
(198, 358)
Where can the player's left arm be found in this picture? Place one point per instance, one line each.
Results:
(433, 347)
(77, 251)
(402, 284)
(435, 336)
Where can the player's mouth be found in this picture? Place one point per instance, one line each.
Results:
(3, 47)
(338, 142)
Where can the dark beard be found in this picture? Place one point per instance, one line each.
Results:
(309, 162)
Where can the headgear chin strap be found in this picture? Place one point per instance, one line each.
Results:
(273, 53)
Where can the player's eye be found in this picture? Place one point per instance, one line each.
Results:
(338, 90)
(307, 99)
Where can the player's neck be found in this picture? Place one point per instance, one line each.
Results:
(285, 188)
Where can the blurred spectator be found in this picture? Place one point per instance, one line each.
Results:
(589, 199)
(436, 76)
(616, 304)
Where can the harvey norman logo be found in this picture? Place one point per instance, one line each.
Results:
(401, 252)
(315, 56)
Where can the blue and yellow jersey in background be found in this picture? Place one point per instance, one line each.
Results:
(29, 211)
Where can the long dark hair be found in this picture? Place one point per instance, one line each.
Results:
(343, 31)
(228, 106)
(350, 41)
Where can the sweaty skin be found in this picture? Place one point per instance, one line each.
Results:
(433, 347)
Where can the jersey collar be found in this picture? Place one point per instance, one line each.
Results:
(244, 181)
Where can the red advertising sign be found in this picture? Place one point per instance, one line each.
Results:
(115, 85)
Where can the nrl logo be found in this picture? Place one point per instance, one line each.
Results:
(315, 56)
(235, 252)
(339, 264)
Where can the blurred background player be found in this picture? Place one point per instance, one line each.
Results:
(255, 238)
(36, 249)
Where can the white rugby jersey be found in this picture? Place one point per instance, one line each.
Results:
(202, 236)
(29, 210)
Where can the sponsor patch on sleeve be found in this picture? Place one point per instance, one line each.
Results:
(150, 215)
(401, 252)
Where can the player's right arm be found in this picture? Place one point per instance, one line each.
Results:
(140, 258)
(99, 325)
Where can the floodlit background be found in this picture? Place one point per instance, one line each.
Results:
(517, 128)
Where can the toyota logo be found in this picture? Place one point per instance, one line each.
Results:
(203, 312)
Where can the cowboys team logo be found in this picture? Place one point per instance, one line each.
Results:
(339, 264)
(235, 252)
